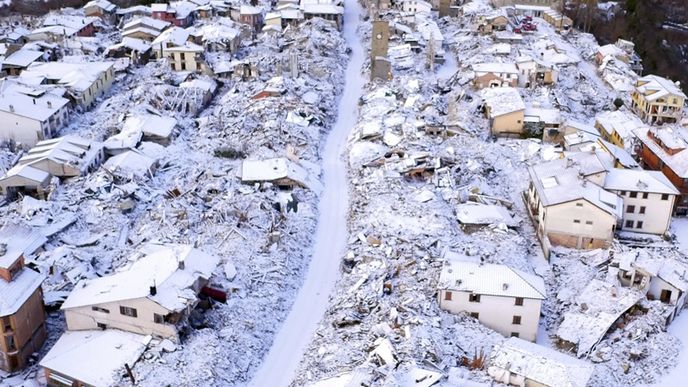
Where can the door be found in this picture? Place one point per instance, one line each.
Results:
(665, 296)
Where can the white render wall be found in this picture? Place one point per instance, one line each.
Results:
(560, 219)
(84, 318)
(497, 312)
(20, 129)
(657, 216)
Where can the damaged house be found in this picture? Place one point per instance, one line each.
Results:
(29, 114)
(153, 296)
(22, 318)
(664, 279)
(495, 75)
(504, 299)
(568, 205)
(61, 157)
(505, 110)
(521, 363)
(280, 171)
(657, 100)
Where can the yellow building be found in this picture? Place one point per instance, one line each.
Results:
(657, 100)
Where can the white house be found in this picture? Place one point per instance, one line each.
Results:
(416, 6)
(85, 82)
(521, 363)
(495, 75)
(281, 171)
(648, 199)
(29, 114)
(568, 204)
(662, 278)
(504, 299)
(150, 297)
(92, 358)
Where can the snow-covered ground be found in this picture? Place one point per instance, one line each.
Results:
(279, 365)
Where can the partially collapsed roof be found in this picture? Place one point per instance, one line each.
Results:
(173, 269)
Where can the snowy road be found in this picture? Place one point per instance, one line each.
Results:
(279, 366)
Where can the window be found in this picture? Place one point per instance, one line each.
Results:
(633, 195)
(6, 324)
(588, 222)
(579, 204)
(630, 209)
(622, 193)
(518, 301)
(127, 311)
(514, 334)
(475, 315)
(642, 210)
(99, 309)
(160, 319)
(102, 326)
(665, 196)
(516, 320)
(645, 195)
(576, 221)
(639, 224)
(629, 224)
(11, 345)
(518, 121)
(474, 298)
(447, 295)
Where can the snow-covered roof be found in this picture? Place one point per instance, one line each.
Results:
(96, 358)
(173, 269)
(22, 58)
(495, 67)
(16, 292)
(142, 9)
(654, 87)
(27, 172)
(323, 9)
(208, 85)
(564, 180)
(249, 10)
(186, 47)
(669, 269)
(638, 180)
(135, 44)
(597, 307)
(155, 24)
(103, 4)
(621, 121)
(71, 21)
(71, 151)
(130, 163)
(277, 169)
(19, 239)
(29, 102)
(490, 279)
(620, 155)
(77, 76)
(220, 31)
(160, 7)
(481, 214)
(174, 36)
(611, 50)
(543, 365)
(673, 137)
(546, 115)
(502, 100)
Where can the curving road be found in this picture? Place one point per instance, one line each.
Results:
(279, 366)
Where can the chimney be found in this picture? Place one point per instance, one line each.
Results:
(153, 290)
(34, 101)
(50, 104)
(3, 249)
(12, 108)
(181, 265)
(505, 286)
